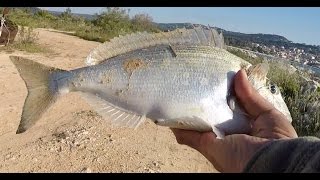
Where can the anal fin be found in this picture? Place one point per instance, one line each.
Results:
(118, 116)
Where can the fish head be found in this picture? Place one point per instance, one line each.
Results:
(274, 96)
(257, 75)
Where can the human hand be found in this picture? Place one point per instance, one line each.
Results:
(232, 153)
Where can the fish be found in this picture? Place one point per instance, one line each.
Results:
(178, 79)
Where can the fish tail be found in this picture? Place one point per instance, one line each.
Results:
(42, 90)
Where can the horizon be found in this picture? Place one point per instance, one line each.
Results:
(286, 22)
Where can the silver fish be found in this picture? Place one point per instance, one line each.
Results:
(180, 79)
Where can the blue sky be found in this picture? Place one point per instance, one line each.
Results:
(296, 24)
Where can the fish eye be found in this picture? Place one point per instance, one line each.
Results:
(273, 88)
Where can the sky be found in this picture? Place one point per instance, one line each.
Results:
(300, 25)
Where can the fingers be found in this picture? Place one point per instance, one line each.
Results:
(202, 142)
(194, 139)
(268, 121)
(252, 101)
(276, 127)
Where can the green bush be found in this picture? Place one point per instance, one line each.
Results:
(27, 41)
(112, 22)
(27, 35)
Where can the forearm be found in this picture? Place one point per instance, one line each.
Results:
(295, 155)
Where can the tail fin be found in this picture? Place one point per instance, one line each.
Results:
(41, 92)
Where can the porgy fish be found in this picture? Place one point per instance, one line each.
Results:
(180, 79)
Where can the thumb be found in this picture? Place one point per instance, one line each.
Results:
(251, 100)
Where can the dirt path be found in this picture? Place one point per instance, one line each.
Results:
(70, 137)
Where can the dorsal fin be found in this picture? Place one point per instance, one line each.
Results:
(139, 40)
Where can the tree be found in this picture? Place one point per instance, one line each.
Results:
(142, 19)
(143, 22)
(67, 14)
(114, 21)
(45, 14)
(68, 11)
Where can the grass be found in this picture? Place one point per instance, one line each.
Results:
(302, 105)
(26, 40)
(29, 47)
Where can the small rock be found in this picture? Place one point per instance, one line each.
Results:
(82, 146)
(8, 156)
(59, 149)
(155, 163)
(149, 170)
(85, 132)
(77, 143)
(99, 160)
(86, 170)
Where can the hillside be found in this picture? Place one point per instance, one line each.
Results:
(228, 34)
(232, 38)
(246, 40)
